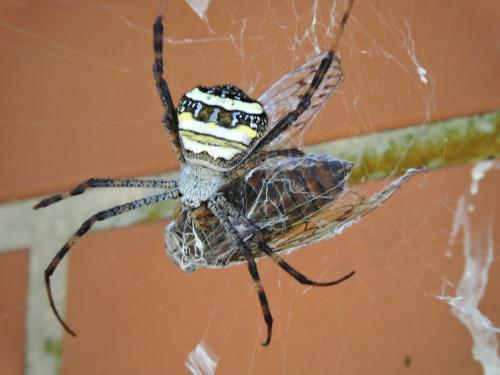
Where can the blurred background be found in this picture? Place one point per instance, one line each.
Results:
(77, 100)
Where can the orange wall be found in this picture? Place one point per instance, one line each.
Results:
(77, 101)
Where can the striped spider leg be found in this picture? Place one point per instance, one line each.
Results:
(229, 217)
(170, 120)
(171, 193)
(258, 159)
(252, 266)
(170, 123)
(310, 86)
(106, 182)
(309, 97)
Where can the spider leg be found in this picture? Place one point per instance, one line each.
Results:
(264, 247)
(252, 266)
(301, 278)
(261, 157)
(84, 228)
(107, 182)
(266, 155)
(305, 101)
(170, 121)
(340, 30)
(287, 120)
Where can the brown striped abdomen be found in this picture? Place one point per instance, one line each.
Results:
(279, 194)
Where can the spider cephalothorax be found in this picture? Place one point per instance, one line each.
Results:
(243, 194)
(219, 125)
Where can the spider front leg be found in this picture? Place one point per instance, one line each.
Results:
(231, 210)
(85, 227)
(252, 266)
(258, 159)
(170, 121)
(106, 182)
(305, 101)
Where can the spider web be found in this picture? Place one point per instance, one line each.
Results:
(425, 261)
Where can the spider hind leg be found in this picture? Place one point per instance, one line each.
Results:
(106, 182)
(264, 247)
(84, 228)
(305, 101)
(225, 211)
(170, 120)
(252, 266)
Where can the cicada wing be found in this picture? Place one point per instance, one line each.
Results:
(334, 218)
(285, 95)
(295, 201)
(279, 196)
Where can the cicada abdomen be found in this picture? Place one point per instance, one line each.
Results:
(278, 196)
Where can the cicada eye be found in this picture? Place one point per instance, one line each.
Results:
(219, 125)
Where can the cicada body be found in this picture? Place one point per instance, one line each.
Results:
(279, 197)
(295, 201)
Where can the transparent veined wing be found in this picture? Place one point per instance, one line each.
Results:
(285, 94)
(333, 219)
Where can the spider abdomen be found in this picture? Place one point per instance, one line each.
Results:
(219, 125)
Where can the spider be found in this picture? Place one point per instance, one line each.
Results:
(242, 194)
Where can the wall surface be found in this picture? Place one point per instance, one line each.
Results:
(77, 100)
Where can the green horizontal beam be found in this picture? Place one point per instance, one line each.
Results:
(438, 144)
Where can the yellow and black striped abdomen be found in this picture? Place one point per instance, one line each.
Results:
(219, 125)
